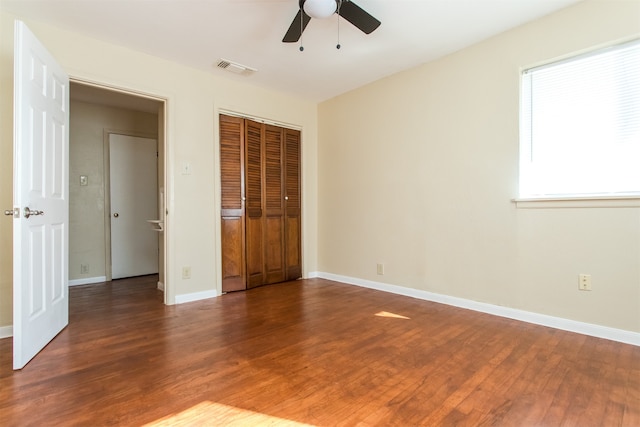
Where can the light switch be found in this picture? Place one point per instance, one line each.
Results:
(84, 180)
(186, 168)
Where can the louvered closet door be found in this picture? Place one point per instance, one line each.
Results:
(232, 226)
(293, 205)
(254, 136)
(274, 205)
(260, 236)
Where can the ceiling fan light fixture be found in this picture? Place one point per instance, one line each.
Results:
(320, 9)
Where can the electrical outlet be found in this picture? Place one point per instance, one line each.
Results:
(84, 268)
(584, 282)
(186, 272)
(380, 269)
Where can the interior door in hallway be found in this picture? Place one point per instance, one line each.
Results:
(133, 180)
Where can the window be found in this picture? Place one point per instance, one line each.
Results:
(580, 125)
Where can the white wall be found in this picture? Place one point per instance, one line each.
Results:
(418, 170)
(193, 100)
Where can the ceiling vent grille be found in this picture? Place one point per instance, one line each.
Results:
(235, 68)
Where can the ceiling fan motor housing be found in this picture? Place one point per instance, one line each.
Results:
(319, 9)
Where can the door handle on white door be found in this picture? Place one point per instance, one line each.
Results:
(28, 212)
(116, 215)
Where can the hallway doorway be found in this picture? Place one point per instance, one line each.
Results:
(95, 113)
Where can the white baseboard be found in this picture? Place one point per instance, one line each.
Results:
(161, 286)
(87, 281)
(196, 296)
(613, 334)
(312, 275)
(6, 331)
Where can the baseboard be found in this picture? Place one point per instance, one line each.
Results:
(590, 329)
(196, 296)
(6, 331)
(87, 281)
(313, 275)
(161, 286)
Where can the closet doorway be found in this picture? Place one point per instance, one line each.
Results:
(260, 203)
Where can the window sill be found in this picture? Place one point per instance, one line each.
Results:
(578, 202)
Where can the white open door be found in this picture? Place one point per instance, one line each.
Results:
(40, 197)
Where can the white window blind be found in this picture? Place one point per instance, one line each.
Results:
(580, 125)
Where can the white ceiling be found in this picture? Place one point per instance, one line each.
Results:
(197, 33)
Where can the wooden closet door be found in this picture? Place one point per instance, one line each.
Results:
(273, 205)
(232, 212)
(261, 204)
(254, 135)
(293, 205)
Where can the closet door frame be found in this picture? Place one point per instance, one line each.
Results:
(271, 223)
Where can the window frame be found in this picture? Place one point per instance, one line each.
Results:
(595, 199)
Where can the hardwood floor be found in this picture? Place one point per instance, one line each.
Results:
(312, 352)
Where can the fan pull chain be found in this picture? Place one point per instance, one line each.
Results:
(338, 45)
(301, 27)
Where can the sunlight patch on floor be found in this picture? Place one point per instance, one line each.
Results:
(392, 315)
(217, 414)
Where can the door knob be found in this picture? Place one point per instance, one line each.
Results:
(28, 212)
(116, 215)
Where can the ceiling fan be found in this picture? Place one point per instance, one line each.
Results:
(325, 8)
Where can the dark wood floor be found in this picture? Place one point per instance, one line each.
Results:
(312, 352)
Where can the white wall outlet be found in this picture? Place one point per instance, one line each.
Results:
(584, 282)
(186, 272)
(84, 268)
(380, 269)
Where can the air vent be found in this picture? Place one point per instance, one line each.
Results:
(236, 68)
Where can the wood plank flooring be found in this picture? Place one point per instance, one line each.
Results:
(312, 352)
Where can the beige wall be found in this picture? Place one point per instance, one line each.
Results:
(86, 157)
(418, 171)
(6, 176)
(193, 101)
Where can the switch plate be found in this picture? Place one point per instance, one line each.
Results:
(584, 282)
(380, 269)
(84, 180)
(84, 268)
(186, 168)
(186, 272)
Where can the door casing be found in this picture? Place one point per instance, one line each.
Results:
(164, 157)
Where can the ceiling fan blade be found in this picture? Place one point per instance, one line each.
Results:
(358, 17)
(295, 30)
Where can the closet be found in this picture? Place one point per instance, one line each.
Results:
(260, 203)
